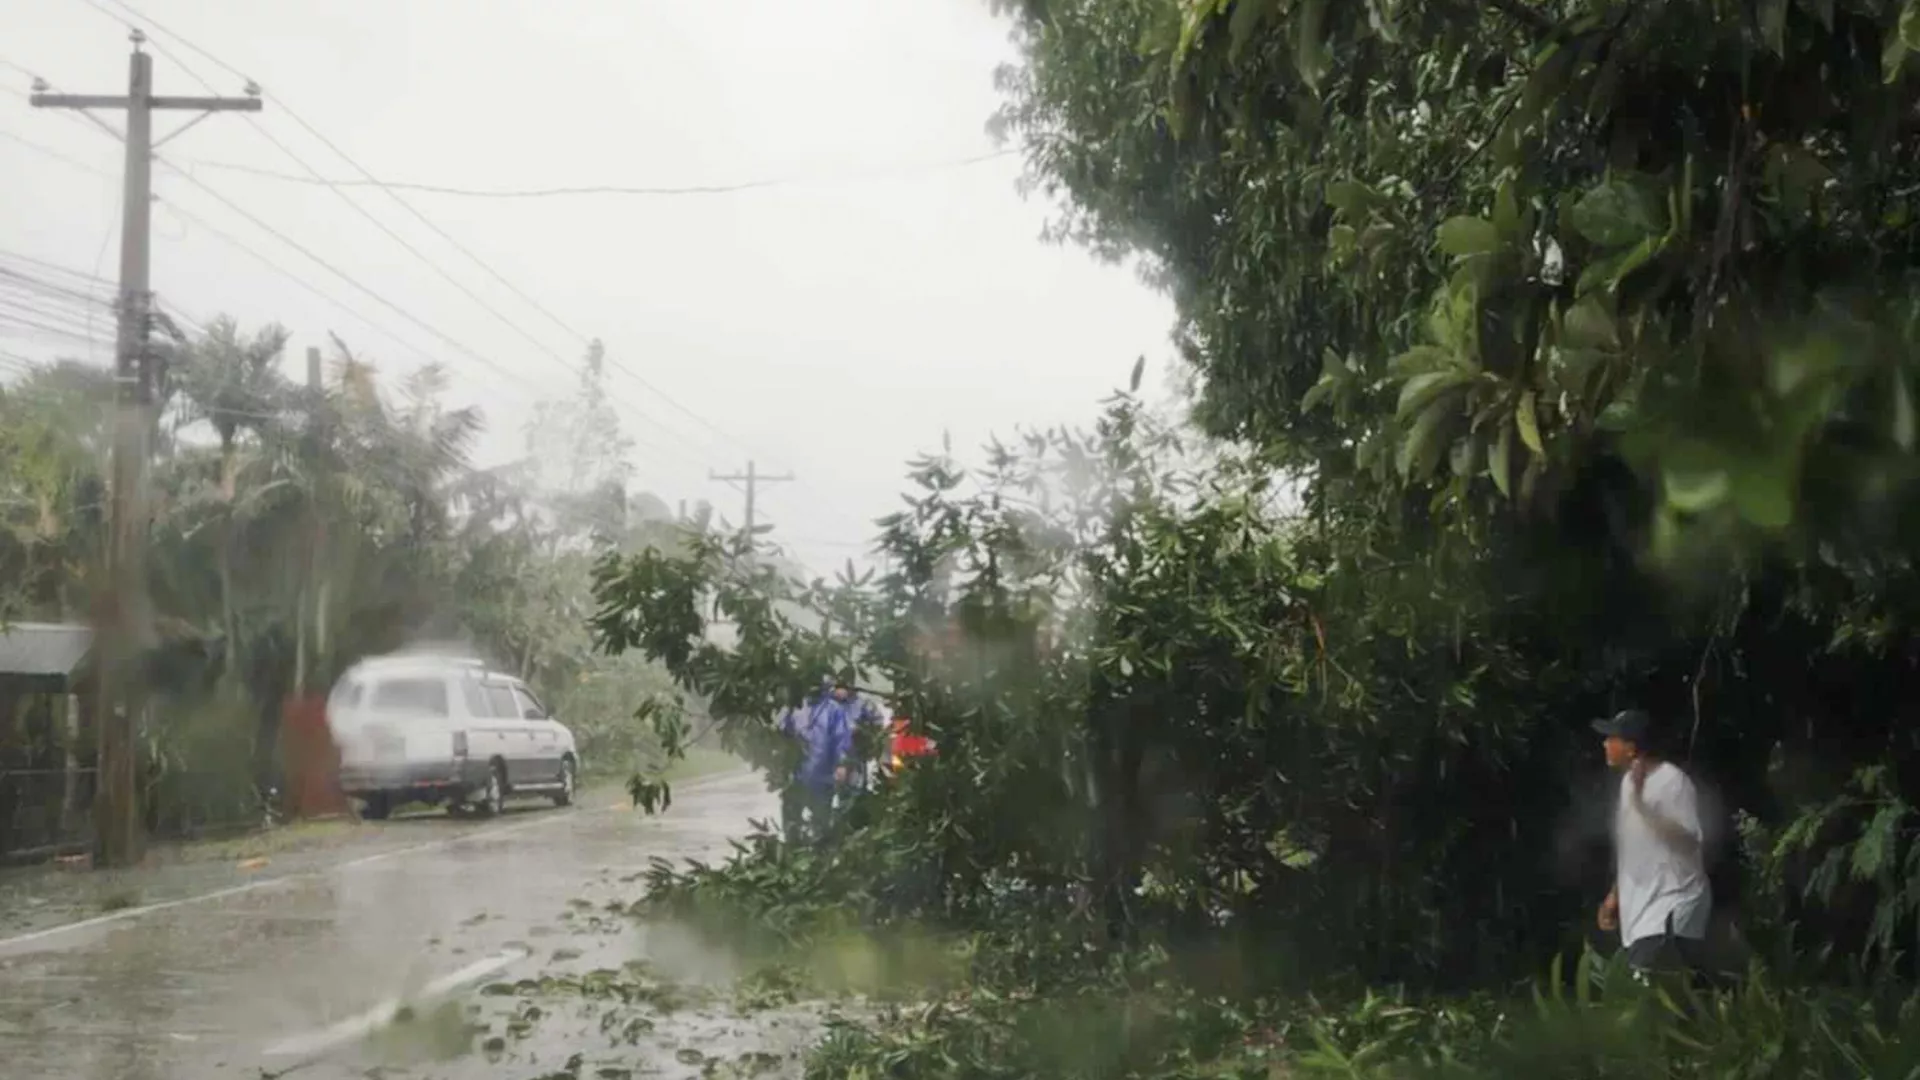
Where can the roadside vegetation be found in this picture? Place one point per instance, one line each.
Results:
(1548, 357)
(297, 529)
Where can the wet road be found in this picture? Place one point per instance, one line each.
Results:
(287, 974)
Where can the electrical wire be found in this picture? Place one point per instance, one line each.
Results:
(47, 318)
(236, 243)
(52, 290)
(614, 189)
(53, 266)
(49, 152)
(368, 179)
(505, 372)
(316, 177)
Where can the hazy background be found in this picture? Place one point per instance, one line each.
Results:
(832, 324)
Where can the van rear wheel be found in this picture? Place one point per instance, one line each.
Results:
(492, 801)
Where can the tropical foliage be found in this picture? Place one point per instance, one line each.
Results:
(1560, 354)
(298, 527)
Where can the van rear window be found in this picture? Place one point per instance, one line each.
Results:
(423, 696)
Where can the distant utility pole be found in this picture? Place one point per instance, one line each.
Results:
(752, 479)
(126, 624)
(310, 652)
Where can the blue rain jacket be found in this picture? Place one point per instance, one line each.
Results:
(825, 730)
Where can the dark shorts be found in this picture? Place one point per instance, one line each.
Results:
(1665, 953)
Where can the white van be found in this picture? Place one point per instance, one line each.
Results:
(445, 731)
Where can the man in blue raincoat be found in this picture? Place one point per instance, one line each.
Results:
(823, 726)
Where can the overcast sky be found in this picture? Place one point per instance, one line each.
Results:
(831, 326)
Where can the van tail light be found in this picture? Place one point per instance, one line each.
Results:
(459, 744)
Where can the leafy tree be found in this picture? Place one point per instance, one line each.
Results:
(1547, 314)
(53, 440)
(1585, 327)
(299, 528)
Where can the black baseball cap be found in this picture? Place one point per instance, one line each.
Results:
(1633, 725)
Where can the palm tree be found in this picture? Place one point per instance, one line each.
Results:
(233, 383)
(54, 434)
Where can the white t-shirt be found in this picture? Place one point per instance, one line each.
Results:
(1656, 881)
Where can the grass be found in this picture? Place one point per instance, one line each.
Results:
(290, 837)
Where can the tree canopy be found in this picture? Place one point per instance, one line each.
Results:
(299, 527)
(1560, 356)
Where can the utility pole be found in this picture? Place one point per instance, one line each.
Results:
(752, 479)
(125, 630)
(310, 652)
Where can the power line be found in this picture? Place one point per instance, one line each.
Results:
(364, 212)
(51, 318)
(451, 341)
(53, 266)
(223, 235)
(616, 189)
(32, 328)
(271, 264)
(52, 153)
(262, 225)
(51, 291)
(371, 180)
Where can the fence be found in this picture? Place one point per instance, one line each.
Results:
(49, 812)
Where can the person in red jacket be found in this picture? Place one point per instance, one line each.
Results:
(904, 744)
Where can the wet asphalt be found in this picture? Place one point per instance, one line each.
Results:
(297, 972)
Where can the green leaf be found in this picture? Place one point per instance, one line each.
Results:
(1500, 461)
(1351, 197)
(1692, 492)
(1903, 422)
(1420, 449)
(1199, 12)
(1416, 392)
(1527, 420)
(1384, 19)
(1320, 391)
(1454, 319)
(1910, 24)
(1763, 489)
(1589, 325)
(1333, 372)
(1772, 16)
(1342, 241)
(1419, 359)
(1464, 459)
(1618, 214)
(1246, 18)
(1506, 211)
(1609, 272)
(1878, 842)
(1464, 236)
(1798, 175)
(1309, 43)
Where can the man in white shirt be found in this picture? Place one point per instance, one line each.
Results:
(1660, 902)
